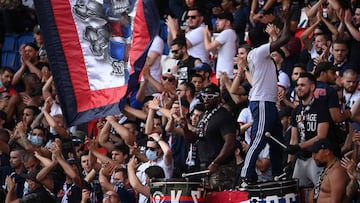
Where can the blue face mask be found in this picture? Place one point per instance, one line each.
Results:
(36, 140)
(151, 155)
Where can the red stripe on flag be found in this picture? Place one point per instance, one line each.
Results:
(85, 97)
(141, 34)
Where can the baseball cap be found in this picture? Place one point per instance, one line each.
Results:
(226, 15)
(212, 88)
(323, 143)
(324, 66)
(167, 63)
(203, 66)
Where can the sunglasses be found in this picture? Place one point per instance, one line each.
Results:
(209, 96)
(175, 51)
(170, 79)
(192, 17)
(151, 148)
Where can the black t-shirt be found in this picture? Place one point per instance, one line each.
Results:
(219, 125)
(186, 68)
(40, 195)
(306, 119)
(72, 192)
(327, 94)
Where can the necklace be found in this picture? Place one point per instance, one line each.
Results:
(322, 175)
(202, 126)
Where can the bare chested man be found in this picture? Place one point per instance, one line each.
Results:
(331, 187)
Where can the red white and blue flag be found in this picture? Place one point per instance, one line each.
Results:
(88, 46)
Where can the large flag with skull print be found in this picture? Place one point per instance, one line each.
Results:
(88, 43)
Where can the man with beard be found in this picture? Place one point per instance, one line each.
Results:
(310, 121)
(331, 186)
(224, 43)
(29, 62)
(6, 77)
(194, 38)
(186, 62)
(326, 76)
(216, 140)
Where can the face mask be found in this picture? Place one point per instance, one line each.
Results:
(117, 183)
(36, 140)
(151, 155)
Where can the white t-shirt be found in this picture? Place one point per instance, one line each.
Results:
(246, 117)
(284, 80)
(227, 50)
(263, 74)
(351, 98)
(157, 46)
(196, 38)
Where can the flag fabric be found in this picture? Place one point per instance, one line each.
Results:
(88, 45)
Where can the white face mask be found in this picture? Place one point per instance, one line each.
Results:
(151, 155)
(36, 140)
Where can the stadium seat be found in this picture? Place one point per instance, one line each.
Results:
(23, 39)
(10, 41)
(10, 59)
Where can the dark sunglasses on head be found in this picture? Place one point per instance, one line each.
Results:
(170, 79)
(192, 17)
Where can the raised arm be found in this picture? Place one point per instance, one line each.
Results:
(104, 137)
(124, 133)
(57, 155)
(285, 33)
(61, 130)
(92, 149)
(134, 180)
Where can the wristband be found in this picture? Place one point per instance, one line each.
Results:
(215, 164)
(262, 11)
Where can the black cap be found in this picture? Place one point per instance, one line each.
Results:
(323, 67)
(226, 15)
(212, 88)
(323, 143)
